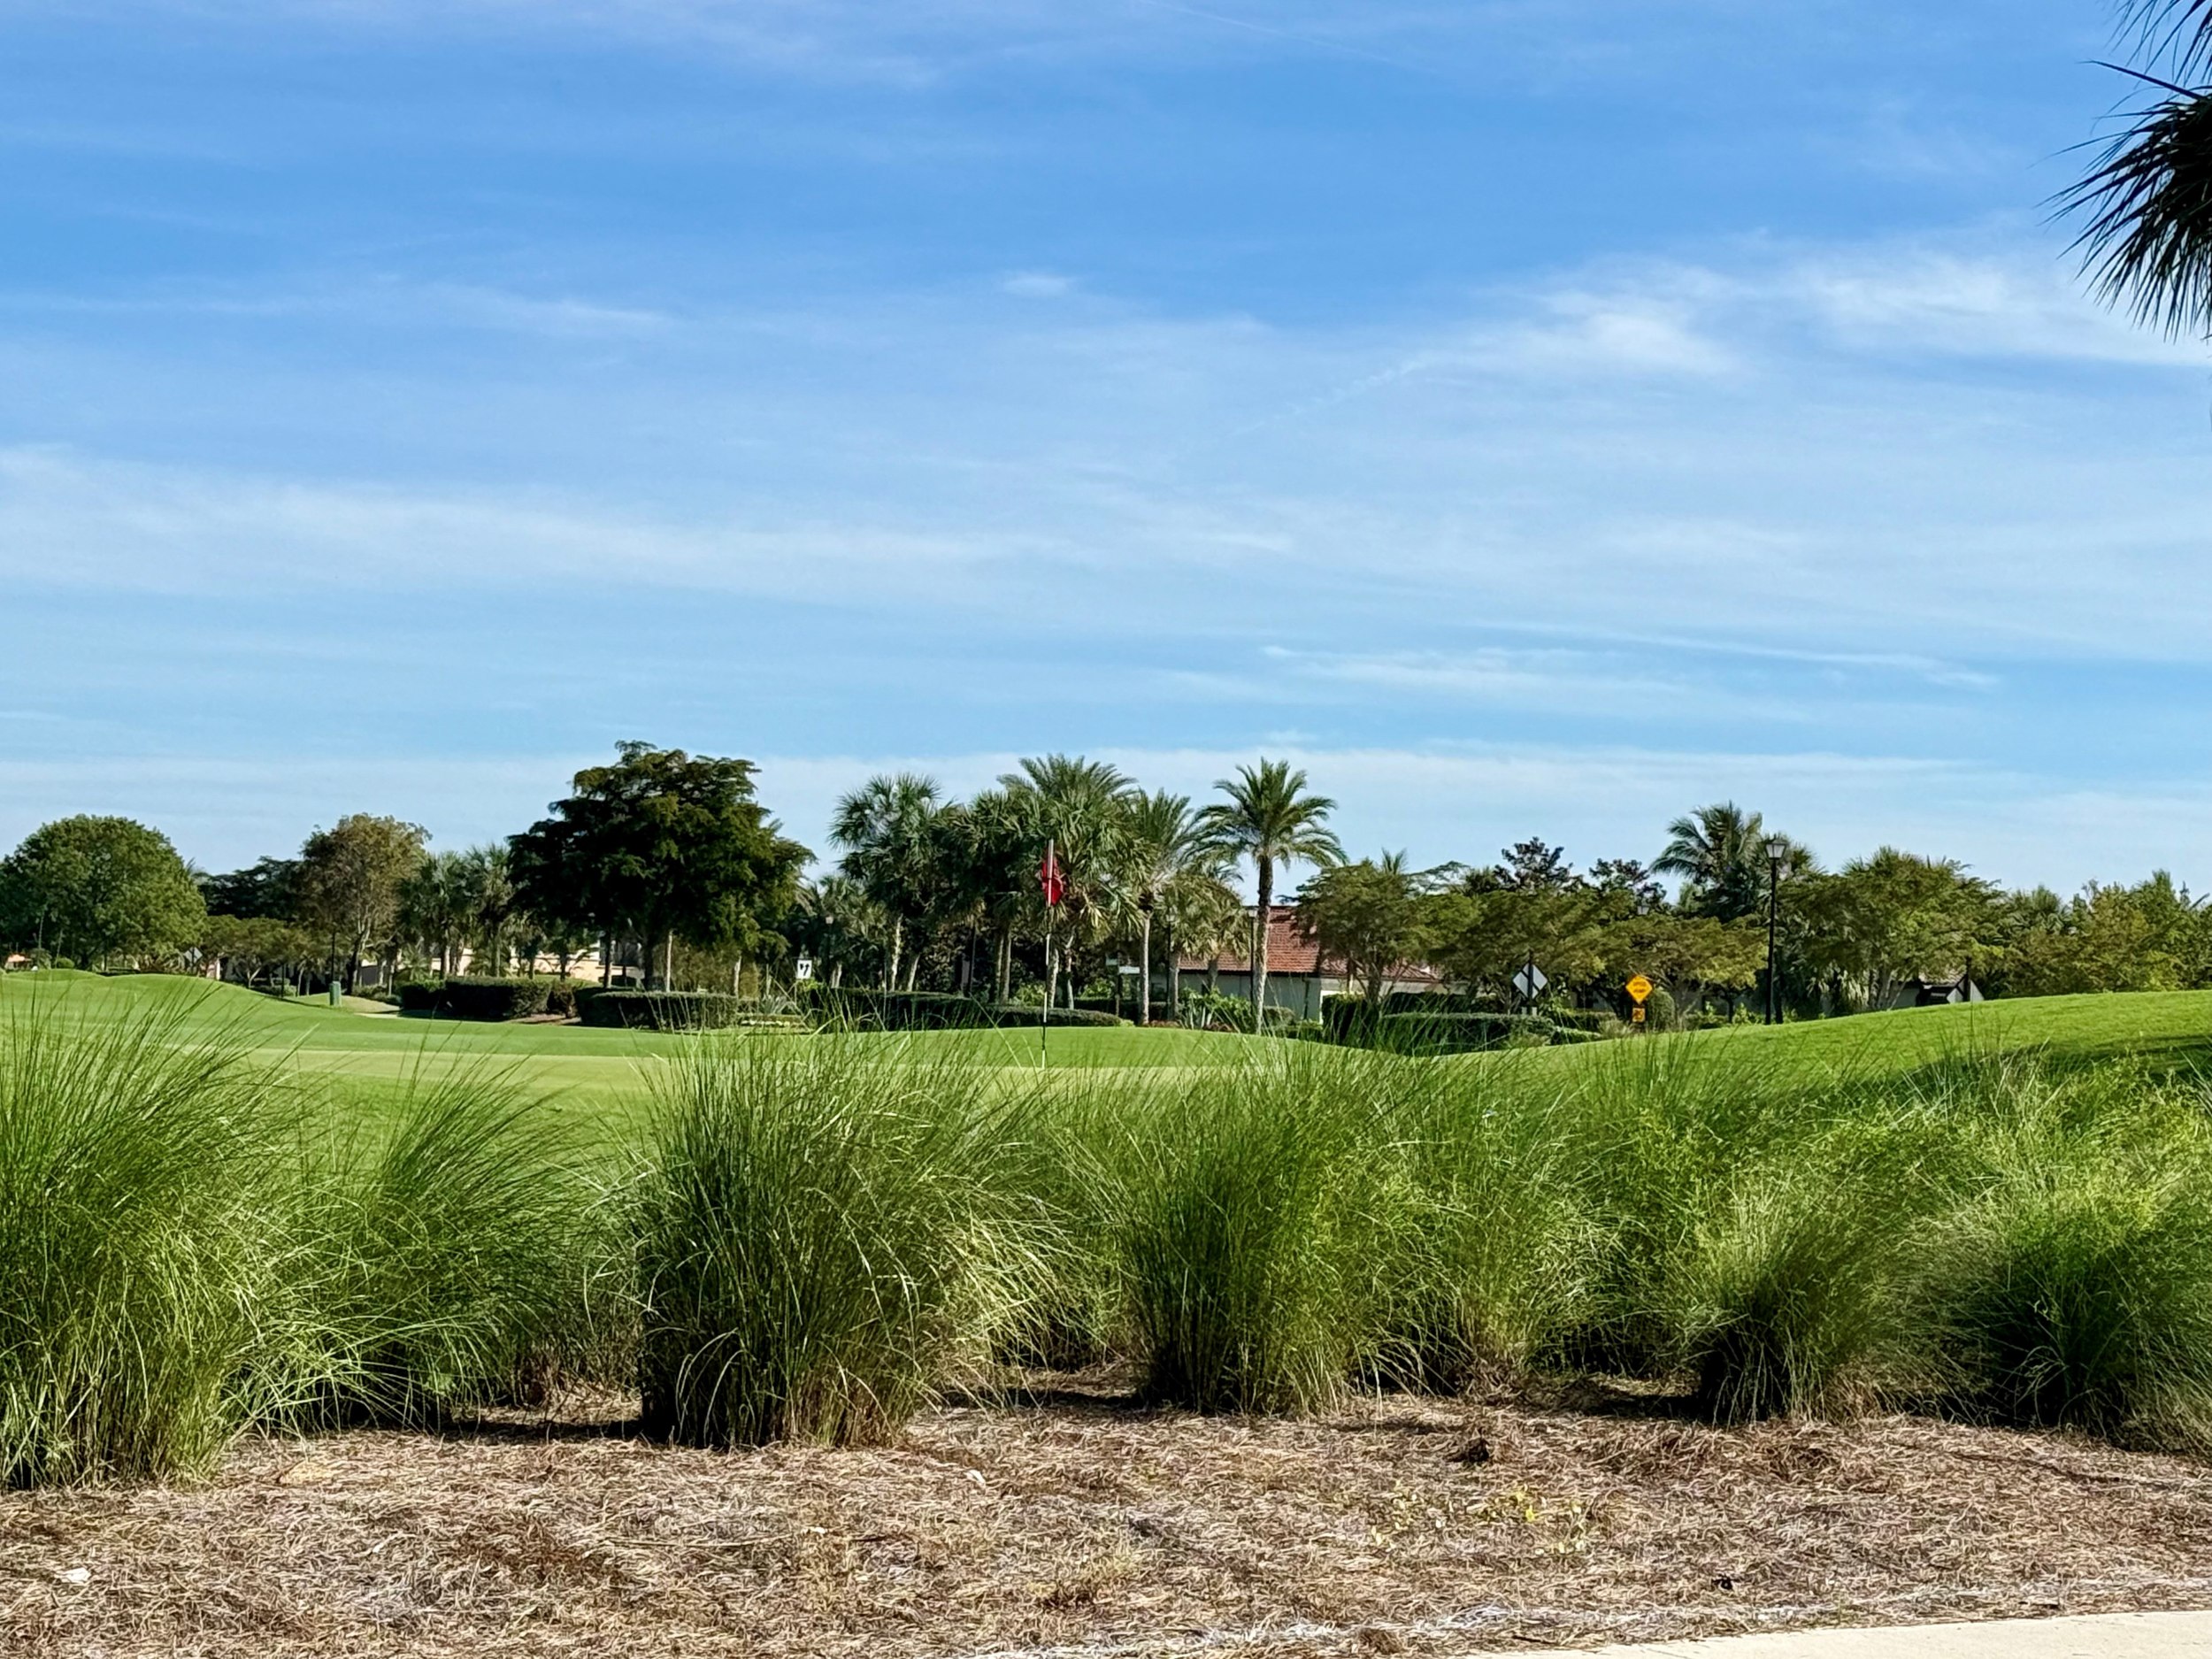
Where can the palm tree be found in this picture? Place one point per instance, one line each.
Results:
(437, 907)
(1076, 806)
(489, 871)
(886, 828)
(995, 873)
(1271, 819)
(1168, 863)
(1716, 851)
(839, 926)
(1204, 918)
(2146, 242)
(1722, 853)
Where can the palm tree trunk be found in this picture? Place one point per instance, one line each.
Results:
(891, 963)
(1144, 972)
(1174, 978)
(1259, 942)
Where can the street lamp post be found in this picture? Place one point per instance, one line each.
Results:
(1776, 849)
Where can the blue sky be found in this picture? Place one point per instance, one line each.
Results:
(1536, 417)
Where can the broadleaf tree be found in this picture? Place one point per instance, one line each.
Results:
(351, 878)
(661, 846)
(99, 891)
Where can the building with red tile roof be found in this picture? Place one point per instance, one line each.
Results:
(1298, 978)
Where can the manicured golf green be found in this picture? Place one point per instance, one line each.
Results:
(585, 1067)
(572, 1063)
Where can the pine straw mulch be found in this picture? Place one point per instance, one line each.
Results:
(1076, 1524)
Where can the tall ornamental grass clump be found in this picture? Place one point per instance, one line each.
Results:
(1242, 1228)
(813, 1237)
(1741, 1227)
(139, 1179)
(1063, 1307)
(444, 1251)
(1485, 1255)
(2072, 1286)
(1784, 1292)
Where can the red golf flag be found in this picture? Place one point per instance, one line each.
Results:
(1048, 876)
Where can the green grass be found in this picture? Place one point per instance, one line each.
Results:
(194, 1239)
(217, 1209)
(815, 1235)
(582, 1065)
(574, 1066)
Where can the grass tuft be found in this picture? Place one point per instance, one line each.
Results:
(137, 1173)
(1244, 1216)
(443, 1252)
(807, 1236)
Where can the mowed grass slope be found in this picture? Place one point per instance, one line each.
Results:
(2168, 1029)
(583, 1064)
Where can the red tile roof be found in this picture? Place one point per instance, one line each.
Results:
(1289, 951)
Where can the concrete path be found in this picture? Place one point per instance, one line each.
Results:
(2104, 1636)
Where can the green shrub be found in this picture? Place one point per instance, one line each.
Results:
(1351, 1018)
(1009, 1015)
(492, 1000)
(862, 1008)
(811, 1241)
(1211, 1010)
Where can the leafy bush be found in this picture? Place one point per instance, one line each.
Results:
(1010, 1015)
(811, 1241)
(1216, 1011)
(486, 999)
(863, 1008)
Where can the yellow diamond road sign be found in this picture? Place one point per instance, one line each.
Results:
(1639, 988)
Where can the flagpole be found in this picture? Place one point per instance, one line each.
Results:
(1044, 1014)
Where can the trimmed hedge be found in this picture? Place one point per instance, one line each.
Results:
(1017, 1014)
(1459, 1034)
(935, 1010)
(1352, 1019)
(902, 1010)
(1589, 1021)
(661, 1011)
(488, 999)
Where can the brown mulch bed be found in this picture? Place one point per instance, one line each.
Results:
(1077, 1525)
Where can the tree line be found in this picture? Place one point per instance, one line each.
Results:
(667, 865)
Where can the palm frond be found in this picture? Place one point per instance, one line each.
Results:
(2146, 244)
(2176, 31)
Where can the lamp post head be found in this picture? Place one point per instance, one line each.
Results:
(1776, 849)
